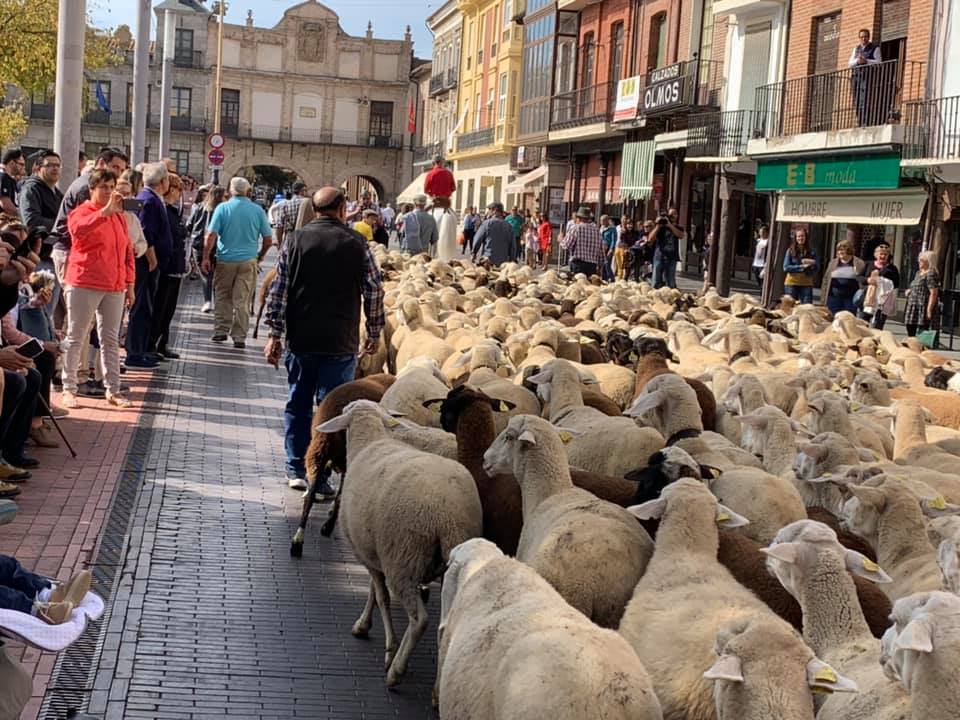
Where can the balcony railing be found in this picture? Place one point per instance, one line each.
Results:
(42, 111)
(723, 134)
(451, 78)
(933, 129)
(526, 157)
(313, 136)
(437, 84)
(862, 96)
(475, 139)
(187, 59)
(182, 123)
(583, 106)
(423, 154)
(691, 83)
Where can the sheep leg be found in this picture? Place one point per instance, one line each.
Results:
(416, 626)
(383, 602)
(361, 628)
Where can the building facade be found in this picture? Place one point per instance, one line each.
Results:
(441, 101)
(302, 95)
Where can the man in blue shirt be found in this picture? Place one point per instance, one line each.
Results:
(237, 227)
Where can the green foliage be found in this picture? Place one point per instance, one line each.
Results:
(13, 124)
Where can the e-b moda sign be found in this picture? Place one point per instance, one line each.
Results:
(665, 89)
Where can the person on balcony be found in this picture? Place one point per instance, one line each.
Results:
(864, 80)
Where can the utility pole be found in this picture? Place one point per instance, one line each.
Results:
(71, 37)
(141, 85)
(166, 93)
(220, 9)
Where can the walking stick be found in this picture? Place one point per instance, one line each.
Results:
(56, 425)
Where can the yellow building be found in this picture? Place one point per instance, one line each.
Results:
(488, 103)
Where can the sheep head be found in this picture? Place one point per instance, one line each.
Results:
(668, 404)
(691, 498)
(459, 399)
(924, 623)
(644, 346)
(664, 467)
(527, 436)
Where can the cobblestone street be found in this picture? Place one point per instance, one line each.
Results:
(207, 614)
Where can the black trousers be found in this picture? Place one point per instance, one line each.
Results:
(164, 307)
(141, 314)
(581, 266)
(46, 365)
(19, 401)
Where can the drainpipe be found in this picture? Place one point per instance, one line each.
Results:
(602, 192)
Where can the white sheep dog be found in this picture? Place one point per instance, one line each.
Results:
(403, 511)
(511, 648)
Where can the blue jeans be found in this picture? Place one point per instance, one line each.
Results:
(18, 586)
(837, 304)
(310, 377)
(802, 294)
(664, 273)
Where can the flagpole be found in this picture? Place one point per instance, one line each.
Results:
(166, 92)
(141, 84)
(218, 93)
(71, 36)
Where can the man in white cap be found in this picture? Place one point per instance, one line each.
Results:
(420, 229)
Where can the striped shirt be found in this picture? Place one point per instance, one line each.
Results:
(584, 243)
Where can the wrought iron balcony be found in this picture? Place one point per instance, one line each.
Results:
(723, 134)
(181, 123)
(452, 74)
(423, 154)
(583, 106)
(475, 139)
(188, 59)
(437, 84)
(526, 157)
(312, 136)
(933, 129)
(861, 96)
(42, 111)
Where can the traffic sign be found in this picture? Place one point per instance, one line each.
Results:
(216, 140)
(215, 156)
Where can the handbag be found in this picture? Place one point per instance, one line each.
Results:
(927, 338)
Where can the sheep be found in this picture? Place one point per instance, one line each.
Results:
(421, 381)
(811, 564)
(511, 647)
(924, 652)
(911, 447)
(889, 516)
(590, 550)
(948, 558)
(652, 355)
(944, 406)
(403, 511)
(606, 445)
(675, 626)
(828, 413)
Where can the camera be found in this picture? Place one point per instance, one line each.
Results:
(663, 219)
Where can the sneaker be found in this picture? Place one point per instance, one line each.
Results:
(54, 613)
(69, 400)
(239, 344)
(141, 361)
(8, 509)
(58, 412)
(24, 462)
(9, 473)
(42, 437)
(219, 338)
(8, 491)
(297, 483)
(167, 354)
(119, 401)
(89, 389)
(207, 307)
(123, 388)
(324, 491)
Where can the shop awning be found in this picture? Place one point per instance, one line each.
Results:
(895, 207)
(675, 140)
(636, 174)
(413, 189)
(528, 182)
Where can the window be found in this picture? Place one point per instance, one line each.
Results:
(491, 98)
(589, 51)
(229, 111)
(96, 113)
(658, 41)
(182, 159)
(616, 51)
(381, 118)
(507, 6)
(183, 47)
(478, 113)
(502, 106)
(180, 102)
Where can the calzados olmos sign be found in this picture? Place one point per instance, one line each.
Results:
(665, 88)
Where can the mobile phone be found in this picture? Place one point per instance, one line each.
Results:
(30, 349)
(132, 205)
(23, 249)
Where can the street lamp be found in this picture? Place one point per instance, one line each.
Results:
(219, 9)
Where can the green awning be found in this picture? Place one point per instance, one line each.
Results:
(636, 176)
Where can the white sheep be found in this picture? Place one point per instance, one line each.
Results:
(813, 566)
(511, 647)
(687, 611)
(403, 511)
(606, 445)
(592, 551)
(420, 381)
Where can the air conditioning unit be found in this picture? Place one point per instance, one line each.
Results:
(518, 11)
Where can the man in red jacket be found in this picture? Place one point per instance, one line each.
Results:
(439, 184)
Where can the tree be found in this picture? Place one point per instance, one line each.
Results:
(12, 124)
(28, 55)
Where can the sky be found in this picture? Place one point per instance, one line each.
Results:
(390, 17)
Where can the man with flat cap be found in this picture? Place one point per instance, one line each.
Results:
(325, 269)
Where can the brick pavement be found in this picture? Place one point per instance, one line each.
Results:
(208, 616)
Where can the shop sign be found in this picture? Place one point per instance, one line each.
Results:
(869, 172)
(628, 98)
(665, 89)
(904, 207)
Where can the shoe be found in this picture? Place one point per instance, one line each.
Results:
(69, 400)
(239, 344)
(324, 491)
(156, 356)
(41, 437)
(207, 307)
(168, 354)
(8, 509)
(73, 590)
(123, 388)
(8, 491)
(119, 401)
(141, 361)
(58, 412)
(57, 382)
(90, 389)
(54, 613)
(9, 473)
(297, 483)
(24, 462)
(219, 338)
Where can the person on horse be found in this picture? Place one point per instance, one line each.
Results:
(439, 184)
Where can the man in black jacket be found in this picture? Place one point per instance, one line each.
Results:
(324, 271)
(39, 198)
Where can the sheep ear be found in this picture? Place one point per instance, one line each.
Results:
(646, 402)
(727, 667)
(757, 421)
(798, 427)
(817, 452)
(501, 405)
(785, 552)
(650, 510)
(823, 678)
(948, 559)
(866, 568)
(872, 496)
(916, 636)
(432, 405)
(727, 518)
(867, 455)
(817, 405)
(341, 422)
(709, 472)
(464, 359)
(527, 437)
(541, 378)
(938, 507)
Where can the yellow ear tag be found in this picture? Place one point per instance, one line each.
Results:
(435, 406)
(633, 357)
(870, 566)
(565, 436)
(503, 407)
(821, 690)
(825, 674)
(938, 503)
(835, 387)
(855, 406)
(722, 516)
(392, 422)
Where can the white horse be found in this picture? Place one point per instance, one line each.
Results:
(447, 247)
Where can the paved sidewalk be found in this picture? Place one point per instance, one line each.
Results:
(208, 615)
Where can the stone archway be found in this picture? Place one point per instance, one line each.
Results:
(354, 184)
(235, 165)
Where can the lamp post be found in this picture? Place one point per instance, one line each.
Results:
(71, 36)
(220, 9)
(166, 91)
(141, 85)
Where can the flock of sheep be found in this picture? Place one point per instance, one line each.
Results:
(644, 504)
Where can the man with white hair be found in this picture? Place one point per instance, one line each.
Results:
(159, 237)
(237, 228)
